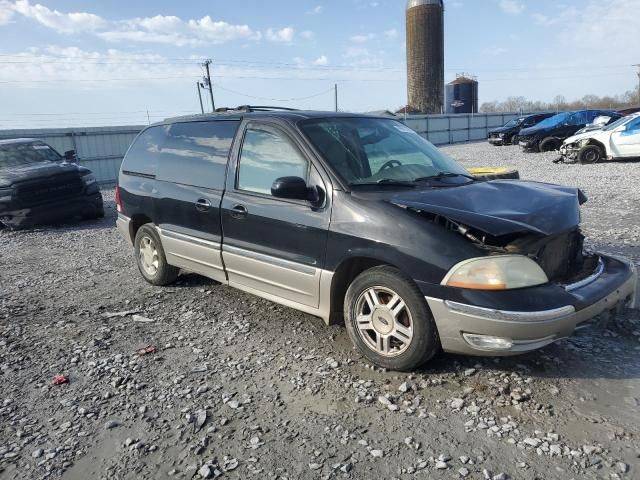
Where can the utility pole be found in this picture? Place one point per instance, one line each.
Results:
(208, 82)
(335, 89)
(638, 82)
(200, 97)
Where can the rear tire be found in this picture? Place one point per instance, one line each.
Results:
(388, 320)
(549, 145)
(590, 154)
(151, 259)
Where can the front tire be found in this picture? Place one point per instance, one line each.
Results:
(388, 320)
(590, 154)
(548, 145)
(151, 259)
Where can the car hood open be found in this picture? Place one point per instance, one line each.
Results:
(502, 207)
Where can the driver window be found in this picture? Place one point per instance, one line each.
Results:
(266, 156)
(634, 126)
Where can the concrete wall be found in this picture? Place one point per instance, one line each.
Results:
(446, 129)
(102, 148)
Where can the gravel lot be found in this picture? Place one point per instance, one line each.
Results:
(242, 388)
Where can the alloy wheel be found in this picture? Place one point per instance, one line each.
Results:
(384, 322)
(148, 254)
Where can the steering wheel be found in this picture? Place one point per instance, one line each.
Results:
(390, 164)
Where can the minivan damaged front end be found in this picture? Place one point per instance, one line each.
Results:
(532, 283)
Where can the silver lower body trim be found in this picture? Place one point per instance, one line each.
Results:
(123, 224)
(193, 254)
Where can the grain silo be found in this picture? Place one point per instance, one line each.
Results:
(462, 94)
(425, 55)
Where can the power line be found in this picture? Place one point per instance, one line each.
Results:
(275, 99)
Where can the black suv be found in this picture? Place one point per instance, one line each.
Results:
(38, 185)
(549, 134)
(508, 134)
(338, 214)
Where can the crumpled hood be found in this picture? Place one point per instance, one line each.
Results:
(11, 175)
(581, 136)
(502, 207)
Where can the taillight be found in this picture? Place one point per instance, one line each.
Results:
(118, 204)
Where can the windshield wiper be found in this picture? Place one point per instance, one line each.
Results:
(444, 175)
(386, 182)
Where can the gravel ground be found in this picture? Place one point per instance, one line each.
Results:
(238, 387)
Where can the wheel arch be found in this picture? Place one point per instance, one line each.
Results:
(136, 222)
(599, 144)
(344, 275)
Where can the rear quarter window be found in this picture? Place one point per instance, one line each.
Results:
(142, 157)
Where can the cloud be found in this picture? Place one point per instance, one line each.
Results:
(391, 33)
(167, 29)
(541, 19)
(316, 10)
(362, 38)
(284, 35)
(307, 34)
(6, 12)
(512, 7)
(61, 22)
(322, 60)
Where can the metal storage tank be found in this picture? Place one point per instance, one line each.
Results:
(462, 95)
(425, 55)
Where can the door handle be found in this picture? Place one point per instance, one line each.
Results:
(239, 211)
(203, 204)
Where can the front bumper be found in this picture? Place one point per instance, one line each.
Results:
(496, 140)
(614, 284)
(528, 143)
(49, 213)
(569, 152)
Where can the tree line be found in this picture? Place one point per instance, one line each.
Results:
(560, 103)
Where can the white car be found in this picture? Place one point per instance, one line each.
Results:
(621, 139)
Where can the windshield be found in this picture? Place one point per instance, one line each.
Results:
(553, 121)
(617, 123)
(514, 123)
(373, 150)
(26, 153)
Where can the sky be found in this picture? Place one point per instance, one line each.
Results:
(88, 63)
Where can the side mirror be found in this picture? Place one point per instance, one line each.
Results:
(70, 156)
(293, 188)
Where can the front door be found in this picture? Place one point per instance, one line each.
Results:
(627, 142)
(271, 246)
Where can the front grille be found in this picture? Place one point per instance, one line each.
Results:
(44, 190)
(562, 257)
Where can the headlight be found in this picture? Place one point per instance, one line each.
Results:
(5, 194)
(89, 179)
(496, 273)
(501, 135)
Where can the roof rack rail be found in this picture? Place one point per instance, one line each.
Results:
(255, 108)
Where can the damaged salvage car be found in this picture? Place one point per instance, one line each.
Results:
(509, 133)
(616, 141)
(38, 185)
(360, 218)
(549, 134)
